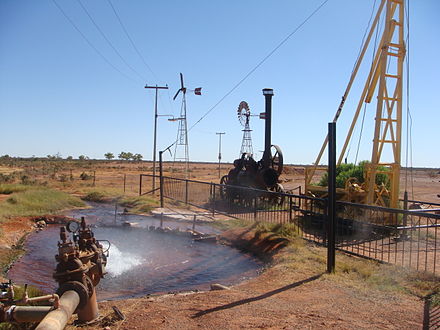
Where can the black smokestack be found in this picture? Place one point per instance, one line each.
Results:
(268, 93)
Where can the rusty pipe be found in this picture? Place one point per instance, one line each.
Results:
(90, 311)
(58, 318)
(54, 297)
(27, 313)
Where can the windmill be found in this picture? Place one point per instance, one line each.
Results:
(182, 130)
(244, 114)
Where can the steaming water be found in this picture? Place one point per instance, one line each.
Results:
(140, 262)
(121, 262)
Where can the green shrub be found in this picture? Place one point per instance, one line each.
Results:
(288, 230)
(7, 178)
(346, 171)
(95, 196)
(139, 204)
(25, 180)
(85, 176)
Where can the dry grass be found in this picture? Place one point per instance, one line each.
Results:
(351, 272)
(139, 204)
(37, 201)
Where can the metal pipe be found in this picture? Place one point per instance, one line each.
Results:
(90, 311)
(161, 177)
(28, 313)
(58, 318)
(331, 206)
(54, 296)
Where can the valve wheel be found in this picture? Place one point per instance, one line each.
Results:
(276, 158)
(224, 180)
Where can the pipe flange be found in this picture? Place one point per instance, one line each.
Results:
(89, 285)
(79, 288)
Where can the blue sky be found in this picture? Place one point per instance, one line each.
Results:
(57, 95)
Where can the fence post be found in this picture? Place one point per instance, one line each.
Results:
(186, 192)
(161, 178)
(331, 201)
(255, 208)
(405, 214)
(140, 184)
(290, 208)
(94, 178)
(213, 199)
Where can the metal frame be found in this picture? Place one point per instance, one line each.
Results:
(367, 231)
(388, 124)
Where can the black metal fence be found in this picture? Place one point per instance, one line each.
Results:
(410, 238)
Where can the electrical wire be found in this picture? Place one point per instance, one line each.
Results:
(372, 61)
(131, 40)
(365, 34)
(90, 43)
(254, 69)
(134, 47)
(360, 134)
(260, 63)
(109, 42)
(354, 66)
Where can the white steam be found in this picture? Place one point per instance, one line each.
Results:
(120, 262)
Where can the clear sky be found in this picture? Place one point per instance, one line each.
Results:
(58, 95)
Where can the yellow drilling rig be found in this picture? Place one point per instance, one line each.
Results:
(385, 81)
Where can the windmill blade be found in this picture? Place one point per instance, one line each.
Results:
(176, 94)
(181, 82)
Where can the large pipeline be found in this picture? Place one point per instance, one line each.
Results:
(28, 313)
(58, 318)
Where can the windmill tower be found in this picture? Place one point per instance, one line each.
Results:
(182, 130)
(244, 114)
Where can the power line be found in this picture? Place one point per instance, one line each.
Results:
(90, 43)
(255, 68)
(260, 63)
(109, 42)
(131, 40)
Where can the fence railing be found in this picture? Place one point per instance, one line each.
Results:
(410, 238)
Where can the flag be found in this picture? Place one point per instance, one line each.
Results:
(198, 91)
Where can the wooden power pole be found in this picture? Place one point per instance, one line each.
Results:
(155, 132)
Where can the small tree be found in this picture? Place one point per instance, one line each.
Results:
(82, 157)
(137, 157)
(128, 156)
(109, 156)
(125, 155)
(122, 155)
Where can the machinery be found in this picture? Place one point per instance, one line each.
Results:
(81, 265)
(385, 76)
(247, 172)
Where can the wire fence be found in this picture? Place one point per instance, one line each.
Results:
(409, 238)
